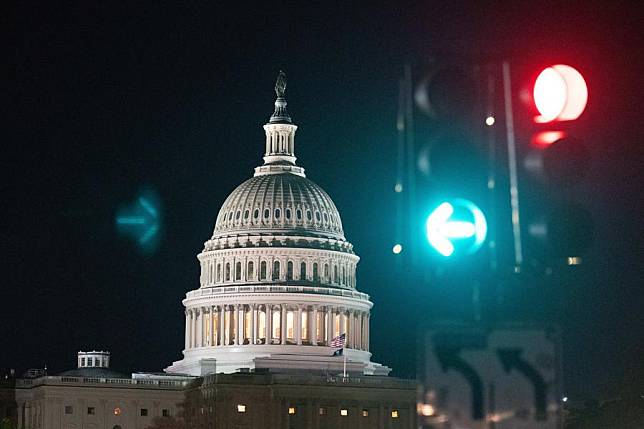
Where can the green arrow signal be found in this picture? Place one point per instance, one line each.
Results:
(141, 221)
(442, 231)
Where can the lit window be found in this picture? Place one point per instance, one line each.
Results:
(69, 409)
(394, 414)
(344, 412)
(291, 410)
(322, 411)
(144, 412)
(117, 411)
(365, 413)
(241, 408)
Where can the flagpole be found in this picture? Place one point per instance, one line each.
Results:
(344, 371)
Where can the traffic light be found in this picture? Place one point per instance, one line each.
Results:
(555, 157)
(450, 162)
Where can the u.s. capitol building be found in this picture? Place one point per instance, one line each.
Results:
(277, 285)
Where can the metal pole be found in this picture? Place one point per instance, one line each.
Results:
(512, 167)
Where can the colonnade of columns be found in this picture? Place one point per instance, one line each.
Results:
(244, 324)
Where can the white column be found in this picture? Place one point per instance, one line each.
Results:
(193, 328)
(368, 334)
(200, 327)
(187, 342)
(253, 323)
(329, 325)
(222, 325)
(298, 326)
(269, 323)
(239, 337)
(313, 326)
(283, 325)
(343, 328)
(360, 330)
(212, 326)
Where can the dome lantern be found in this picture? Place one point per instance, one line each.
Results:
(279, 156)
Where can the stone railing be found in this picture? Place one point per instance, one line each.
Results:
(231, 290)
(116, 382)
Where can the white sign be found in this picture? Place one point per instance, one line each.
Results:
(506, 377)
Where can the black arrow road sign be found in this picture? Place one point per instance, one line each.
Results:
(449, 358)
(511, 358)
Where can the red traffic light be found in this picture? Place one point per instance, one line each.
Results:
(560, 94)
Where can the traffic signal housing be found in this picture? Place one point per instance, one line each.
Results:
(556, 158)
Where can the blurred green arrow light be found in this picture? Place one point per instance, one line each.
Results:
(443, 230)
(141, 221)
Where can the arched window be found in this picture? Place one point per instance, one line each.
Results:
(267, 213)
(228, 271)
(344, 276)
(335, 274)
(218, 272)
(289, 270)
(316, 276)
(326, 272)
(278, 213)
(288, 214)
(250, 271)
(317, 216)
(309, 216)
(276, 270)
(246, 214)
(256, 214)
(238, 271)
(303, 271)
(238, 215)
(230, 217)
(326, 217)
(262, 270)
(298, 214)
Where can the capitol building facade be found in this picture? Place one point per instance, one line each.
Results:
(277, 287)
(278, 277)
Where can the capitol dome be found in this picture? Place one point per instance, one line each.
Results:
(283, 204)
(278, 277)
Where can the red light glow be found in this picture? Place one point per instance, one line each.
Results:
(546, 138)
(560, 94)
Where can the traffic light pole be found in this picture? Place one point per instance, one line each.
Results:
(512, 167)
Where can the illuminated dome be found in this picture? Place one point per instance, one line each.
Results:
(281, 204)
(278, 277)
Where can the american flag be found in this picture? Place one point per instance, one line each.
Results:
(339, 341)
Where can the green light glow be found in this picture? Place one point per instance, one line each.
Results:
(443, 230)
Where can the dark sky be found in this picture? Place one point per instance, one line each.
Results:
(104, 100)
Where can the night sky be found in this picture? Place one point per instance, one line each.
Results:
(105, 100)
